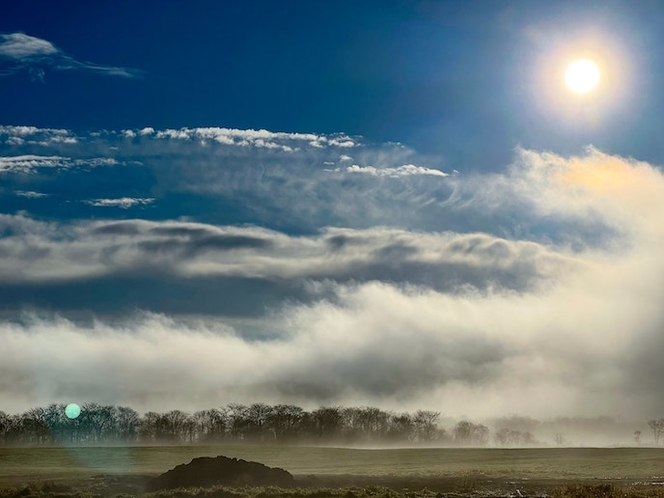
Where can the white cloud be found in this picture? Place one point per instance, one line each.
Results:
(40, 251)
(30, 194)
(122, 202)
(31, 135)
(21, 46)
(287, 142)
(19, 52)
(536, 291)
(30, 163)
(405, 170)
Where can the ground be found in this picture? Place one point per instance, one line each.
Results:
(61, 472)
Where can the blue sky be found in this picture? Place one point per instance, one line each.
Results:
(442, 77)
(390, 203)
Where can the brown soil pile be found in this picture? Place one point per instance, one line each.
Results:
(208, 471)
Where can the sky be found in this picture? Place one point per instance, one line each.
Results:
(393, 203)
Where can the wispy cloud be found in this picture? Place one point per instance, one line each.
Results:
(21, 52)
(18, 136)
(405, 170)
(442, 261)
(30, 194)
(30, 163)
(287, 142)
(122, 202)
(276, 179)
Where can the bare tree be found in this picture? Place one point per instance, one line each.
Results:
(510, 437)
(402, 427)
(657, 427)
(97, 421)
(238, 418)
(285, 421)
(33, 426)
(426, 424)
(468, 433)
(327, 421)
(5, 427)
(128, 423)
(211, 424)
(258, 415)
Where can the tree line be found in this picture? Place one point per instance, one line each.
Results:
(259, 422)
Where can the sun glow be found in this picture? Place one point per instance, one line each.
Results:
(582, 76)
(580, 81)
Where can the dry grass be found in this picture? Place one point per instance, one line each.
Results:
(607, 491)
(467, 490)
(342, 472)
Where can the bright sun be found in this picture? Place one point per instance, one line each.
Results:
(582, 76)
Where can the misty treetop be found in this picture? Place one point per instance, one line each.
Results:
(259, 422)
(284, 423)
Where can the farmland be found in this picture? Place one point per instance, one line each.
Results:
(501, 471)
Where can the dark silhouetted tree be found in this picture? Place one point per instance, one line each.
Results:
(326, 422)
(426, 425)
(211, 425)
(238, 420)
(401, 428)
(128, 423)
(285, 421)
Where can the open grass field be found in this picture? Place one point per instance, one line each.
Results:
(458, 470)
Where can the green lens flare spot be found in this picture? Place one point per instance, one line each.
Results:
(72, 410)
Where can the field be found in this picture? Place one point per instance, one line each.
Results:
(109, 471)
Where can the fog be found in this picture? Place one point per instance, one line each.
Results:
(553, 310)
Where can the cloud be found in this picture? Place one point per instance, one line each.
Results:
(535, 291)
(21, 52)
(21, 46)
(28, 164)
(43, 251)
(405, 170)
(287, 142)
(17, 136)
(123, 202)
(30, 194)
(275, 179)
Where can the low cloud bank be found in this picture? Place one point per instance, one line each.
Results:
(560, 315)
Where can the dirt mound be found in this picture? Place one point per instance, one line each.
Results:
(208, 471)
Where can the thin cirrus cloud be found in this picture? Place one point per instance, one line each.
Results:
(388, 290)
(275, 179)
(405, 170)
(30, 163)
(122, 202)
(30, 194)
(21, 52)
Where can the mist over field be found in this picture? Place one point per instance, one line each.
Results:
(355, 274)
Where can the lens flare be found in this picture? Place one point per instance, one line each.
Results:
(72, 410)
